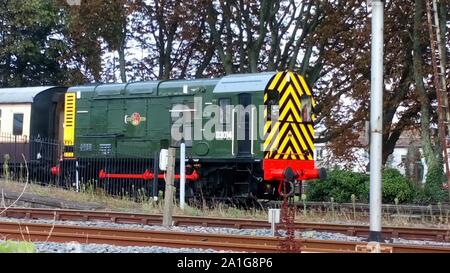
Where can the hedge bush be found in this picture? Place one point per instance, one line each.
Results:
(433, 186)
(395, 185)
(341, 184)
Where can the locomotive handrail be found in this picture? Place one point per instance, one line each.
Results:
(157, 86)
(101, 135)
(293, 153)
(232, 130)
(147, 175)
(305, 153)
(252, 137)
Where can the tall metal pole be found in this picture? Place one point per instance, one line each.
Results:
(182, 175)
(376, 119)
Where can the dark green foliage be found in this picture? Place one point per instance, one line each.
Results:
(395, 185)
(342, 184)
(29, 42)
(433, 186)
(420, 197)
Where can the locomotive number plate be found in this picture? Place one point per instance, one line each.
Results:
(224, 135)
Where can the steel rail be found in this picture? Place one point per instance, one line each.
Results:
(435, 209)
(130, 237)
(432, 234)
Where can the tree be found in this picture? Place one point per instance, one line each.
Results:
(94, 28)
(406, 103)
(29, 44)
(174, 35)
(328, 42)
(431, 151)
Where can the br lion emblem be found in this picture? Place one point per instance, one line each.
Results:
(134, 119)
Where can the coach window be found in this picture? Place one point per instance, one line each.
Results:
(18, 124)
(225, 114)
(306, 109)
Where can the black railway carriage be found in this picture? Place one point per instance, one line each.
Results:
(246, 135)
(30, 128)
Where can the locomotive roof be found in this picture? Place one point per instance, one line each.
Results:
(244, 82)
(226, 84)
(22, 94)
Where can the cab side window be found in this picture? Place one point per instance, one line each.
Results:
(306, 109)
(273, 108)
(225, 114)
(181, 122)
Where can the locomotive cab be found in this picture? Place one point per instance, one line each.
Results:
(289, 130)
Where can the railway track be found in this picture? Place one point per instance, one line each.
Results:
(430, 210)
(129, 237)
(430, 234)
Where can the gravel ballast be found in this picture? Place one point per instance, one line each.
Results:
(74, 247)
(96, 248)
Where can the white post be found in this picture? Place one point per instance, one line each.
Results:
(274, 218)
(77, 177)
(376, 119)
(182, 175)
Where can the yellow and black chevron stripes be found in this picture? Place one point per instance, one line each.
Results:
(288, 136)
(69, 119)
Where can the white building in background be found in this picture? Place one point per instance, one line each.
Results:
(397, 160)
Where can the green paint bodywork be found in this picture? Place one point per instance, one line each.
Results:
(102, 129)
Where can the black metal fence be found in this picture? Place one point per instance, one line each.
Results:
(12, 148)
(32, 157)
(40, 160)
(130, 175)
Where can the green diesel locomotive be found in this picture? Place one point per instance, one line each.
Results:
(246, 135)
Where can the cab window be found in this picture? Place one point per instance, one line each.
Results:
(273, 108)
(306, 108)
(225, 114)
(183, 117)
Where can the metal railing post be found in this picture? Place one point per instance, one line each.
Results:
(182, 175)
(155, 178)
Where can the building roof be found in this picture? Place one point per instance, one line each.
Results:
(21, 95)
(409, 138)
